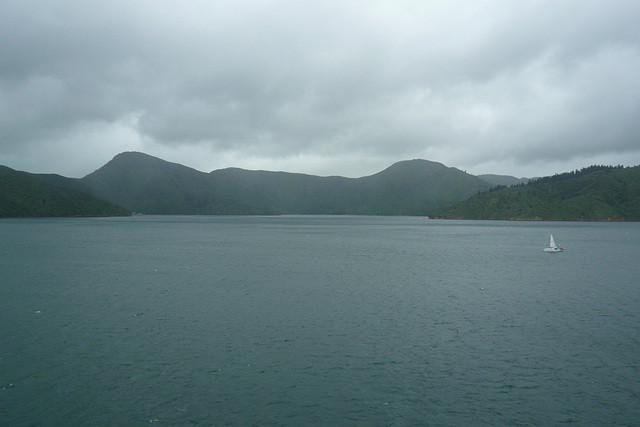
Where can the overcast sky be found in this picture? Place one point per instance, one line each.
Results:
(523, 88)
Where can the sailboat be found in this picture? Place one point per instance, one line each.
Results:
(552, 246)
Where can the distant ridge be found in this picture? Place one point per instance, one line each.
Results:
(596, 193)
(146, 184)
(504, 179)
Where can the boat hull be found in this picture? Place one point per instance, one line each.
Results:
(552, 250)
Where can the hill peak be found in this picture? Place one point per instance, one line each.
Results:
(417, 163)
(417, 167)
(144, 183)
(134, 156)
(138, 162)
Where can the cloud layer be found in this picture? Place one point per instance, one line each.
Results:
(523, 88)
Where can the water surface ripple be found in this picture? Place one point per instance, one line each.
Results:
(318, 320)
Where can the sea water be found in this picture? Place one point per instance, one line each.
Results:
(318, 320)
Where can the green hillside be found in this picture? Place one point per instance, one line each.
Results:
(150, 185)
(416, 187)
(145, 184)
(291, 193)
(25, 195)
(596, 193)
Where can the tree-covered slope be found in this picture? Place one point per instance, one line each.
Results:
(150, 185)
(596, 193)
(24, 195)
(415, 187)
(142, 183)
(293, 193)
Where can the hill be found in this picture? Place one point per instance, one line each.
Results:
(504, 179)
(596, 193)
(145, 184)
(415, 187)
(292, 193)
(26, 195)
(150, 185)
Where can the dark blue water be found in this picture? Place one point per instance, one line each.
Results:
(318, 321)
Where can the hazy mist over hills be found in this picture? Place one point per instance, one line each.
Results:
(134, 182)
(149, 185)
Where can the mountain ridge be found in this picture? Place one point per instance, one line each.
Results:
(147, 184)
(595, 193)
(504, 179)
(150, 185)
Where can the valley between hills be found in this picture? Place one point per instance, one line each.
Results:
(134, 182)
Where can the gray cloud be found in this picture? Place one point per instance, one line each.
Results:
(526, 88)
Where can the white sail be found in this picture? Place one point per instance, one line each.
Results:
(552, 246)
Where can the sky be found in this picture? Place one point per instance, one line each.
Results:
(524, 88)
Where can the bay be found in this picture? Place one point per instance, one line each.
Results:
(317, 320)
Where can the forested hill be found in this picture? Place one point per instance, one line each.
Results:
(411, 187)
(149, 185)
(26, 195)
(146, 184)
(596, 193)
